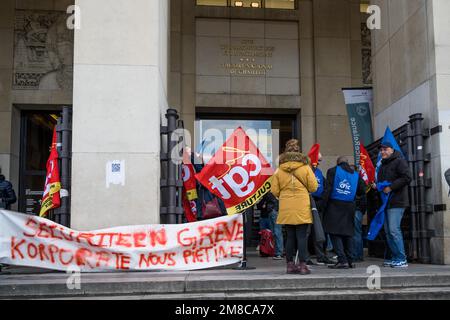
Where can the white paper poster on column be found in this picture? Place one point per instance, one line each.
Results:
(115, 173)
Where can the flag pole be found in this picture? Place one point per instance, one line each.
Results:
(243, 264)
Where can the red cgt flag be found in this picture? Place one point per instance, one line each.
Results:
(189, 189)
(367, 171)
(238, 173)
(51, 198)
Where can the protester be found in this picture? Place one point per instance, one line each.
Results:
(7, 194)
(358, 242)
(395, 171)
(319, 247)
(447, 178)
(344, 184)
(269, 214)
(291, 184)
(208, 205)
(7, 197)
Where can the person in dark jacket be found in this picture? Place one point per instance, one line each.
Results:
(395, 170)
(7, 197)
(344, 185)
(269, 214)
(447, 178)
(7, 194)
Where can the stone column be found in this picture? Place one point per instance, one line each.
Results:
(335, 23)
(441, 155)
(8, 153)
(120, 93)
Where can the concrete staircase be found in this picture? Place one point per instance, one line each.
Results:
(230, 284)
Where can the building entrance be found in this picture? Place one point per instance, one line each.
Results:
(269, 132)
(36, 138)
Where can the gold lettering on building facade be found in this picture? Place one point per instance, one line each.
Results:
(248, 52)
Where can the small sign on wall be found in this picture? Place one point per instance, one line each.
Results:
(115, 173)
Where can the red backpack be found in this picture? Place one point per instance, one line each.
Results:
(267, 244)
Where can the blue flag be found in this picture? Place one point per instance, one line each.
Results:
(388, 137)
(378, 221)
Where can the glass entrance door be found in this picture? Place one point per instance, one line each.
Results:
(36, 140)
(269, 132)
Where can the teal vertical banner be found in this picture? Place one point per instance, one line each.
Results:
(359, 110)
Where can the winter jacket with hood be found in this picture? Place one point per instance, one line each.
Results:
(396, 170)
(291, 184)
(7, 194)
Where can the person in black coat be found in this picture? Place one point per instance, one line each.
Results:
(394, 169)
(344, 185)
(7, 194)
(447, 178)
(7, 197)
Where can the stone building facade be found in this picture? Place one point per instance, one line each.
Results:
(283, 60)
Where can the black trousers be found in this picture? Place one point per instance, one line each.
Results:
(343, 247)
(297, 239)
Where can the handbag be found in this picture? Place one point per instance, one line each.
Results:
(317, 222)
(211, 209)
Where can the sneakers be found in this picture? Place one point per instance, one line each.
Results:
(339, 266)
(277, 258)
(325, 261)
(387, 263)
(399, 264)
(311, 263)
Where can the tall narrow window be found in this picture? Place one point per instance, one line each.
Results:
(280, 4)
(269, 4)
(221, 3)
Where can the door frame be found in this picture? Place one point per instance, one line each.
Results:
(23, 172)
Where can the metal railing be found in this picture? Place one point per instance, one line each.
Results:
(64, 139)
(171, 184)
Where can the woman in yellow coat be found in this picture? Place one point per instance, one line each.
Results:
(291, 184)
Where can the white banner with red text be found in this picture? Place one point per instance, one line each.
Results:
(37, 242)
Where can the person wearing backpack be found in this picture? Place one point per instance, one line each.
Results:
(344, 185)
(7, 197)
(7, 194)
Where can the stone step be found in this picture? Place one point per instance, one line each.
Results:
(204, 286)
(424, 293)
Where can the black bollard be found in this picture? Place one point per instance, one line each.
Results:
(244, 263)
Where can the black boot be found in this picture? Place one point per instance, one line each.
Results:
(339, 265)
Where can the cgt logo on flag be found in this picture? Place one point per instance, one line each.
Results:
(238, 173)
